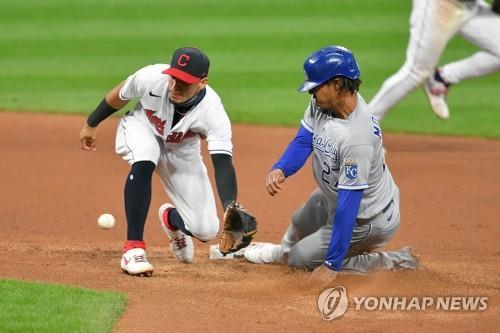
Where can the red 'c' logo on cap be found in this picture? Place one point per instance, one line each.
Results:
(183, 60)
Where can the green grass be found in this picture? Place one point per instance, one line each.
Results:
(63, 56)
(34, 307)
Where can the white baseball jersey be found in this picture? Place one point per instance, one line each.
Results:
(207, 120)
(347, 154)
(146, 134)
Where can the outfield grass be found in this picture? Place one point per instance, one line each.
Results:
(63, 56)
(34, 307)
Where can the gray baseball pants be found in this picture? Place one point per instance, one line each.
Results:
(306, 241)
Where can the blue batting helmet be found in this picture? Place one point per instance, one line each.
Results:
(327, 63)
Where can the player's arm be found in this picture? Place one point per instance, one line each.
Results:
(225, 178)
(353, 179)
(292, 160)
(344, 220)
(109, 105)
(238, 225)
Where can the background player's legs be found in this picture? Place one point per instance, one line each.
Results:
(307, 219)
(186, 182)
(479, 64)
(483, 30)
(432, 24)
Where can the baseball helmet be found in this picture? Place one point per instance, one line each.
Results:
(327, 63)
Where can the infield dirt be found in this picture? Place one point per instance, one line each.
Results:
(52, 193)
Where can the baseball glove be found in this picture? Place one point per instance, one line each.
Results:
(240, 228)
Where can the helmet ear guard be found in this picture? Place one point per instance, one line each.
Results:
(326, 63)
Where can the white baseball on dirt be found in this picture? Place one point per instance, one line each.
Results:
(106, 221)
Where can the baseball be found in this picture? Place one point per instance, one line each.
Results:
(106, 221)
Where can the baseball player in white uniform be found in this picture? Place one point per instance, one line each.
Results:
(355, 208)
(176, 108)
(432, 24)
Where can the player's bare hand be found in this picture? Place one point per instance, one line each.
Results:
(323, 276)
(88, 137)
(274, 179)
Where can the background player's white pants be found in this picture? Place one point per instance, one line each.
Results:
(484, 31)
(181, 170)
(308, 236)
(432, 24)
(479, 64)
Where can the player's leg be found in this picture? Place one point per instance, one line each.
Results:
(139, 147)
(313, 215)
(311, 251)
(381, 229)
(436, 88)
(311, 245)
(432, 24)
(483, 30)
(186, 182)
(479, 64)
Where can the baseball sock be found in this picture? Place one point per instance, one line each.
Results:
(133, 244)
(438, 77)
(137, 198)
(175, 222)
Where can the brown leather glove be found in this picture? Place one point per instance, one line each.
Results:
(240, 228)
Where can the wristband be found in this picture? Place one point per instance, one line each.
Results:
(103, 111)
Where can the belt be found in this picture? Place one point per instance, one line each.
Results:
(386, 208)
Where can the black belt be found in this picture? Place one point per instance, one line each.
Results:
(386, 208)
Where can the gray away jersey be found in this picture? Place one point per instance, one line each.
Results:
(347, 154)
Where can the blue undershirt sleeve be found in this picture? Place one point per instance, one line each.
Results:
(346, 213)
(296, 154)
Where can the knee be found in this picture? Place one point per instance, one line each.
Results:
(205, 231)
(493, 49)
(304, 257)
(143, 167)
(497, 58)
(141, 173)
(417, 74)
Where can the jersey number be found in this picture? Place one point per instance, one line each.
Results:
(326, 172)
